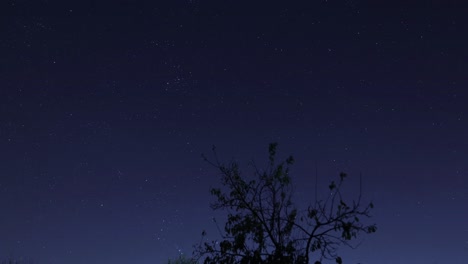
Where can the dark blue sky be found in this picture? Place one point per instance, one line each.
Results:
(106, 107)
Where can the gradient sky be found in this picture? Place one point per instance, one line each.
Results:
(105, 108)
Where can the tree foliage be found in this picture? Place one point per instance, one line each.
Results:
(264, 225)
(182, 260)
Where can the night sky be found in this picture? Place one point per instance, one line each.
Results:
(106, 108)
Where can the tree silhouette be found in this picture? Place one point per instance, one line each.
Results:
(264, 226)
(181, 260)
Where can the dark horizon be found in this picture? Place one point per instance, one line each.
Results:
(105, 109)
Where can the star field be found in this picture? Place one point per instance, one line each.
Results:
(106, 108)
